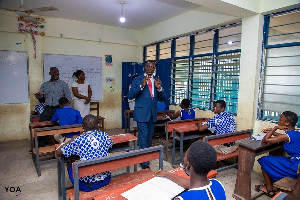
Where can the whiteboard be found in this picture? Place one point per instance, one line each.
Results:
(67, 65)
(13, 77)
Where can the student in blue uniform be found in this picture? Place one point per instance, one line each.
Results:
(199, 159)
(66, 115)
(185, 112)
(276, 167)
(92, 144)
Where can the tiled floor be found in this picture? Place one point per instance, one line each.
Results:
(17, 171)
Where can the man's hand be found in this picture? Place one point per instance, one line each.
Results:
(157, 83)
(145, 80)
(39, 94)
(266, 130)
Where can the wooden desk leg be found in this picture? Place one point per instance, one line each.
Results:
(166, 145)
(126, 123)
(37, 156)
(242, 188)
(135, 147)
(59, 177)
(181, 147)
(173, 149)
(63, 177)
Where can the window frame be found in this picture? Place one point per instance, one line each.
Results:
(271, 116)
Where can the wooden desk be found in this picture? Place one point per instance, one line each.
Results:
(186, 132)
(248, 149)
(120, 143)
(171, 125)
(116, 194)
(129, 114)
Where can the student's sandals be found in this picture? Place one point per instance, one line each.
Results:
(270, 194)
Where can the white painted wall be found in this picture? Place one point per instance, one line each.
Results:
(192, 21)
(78, 38)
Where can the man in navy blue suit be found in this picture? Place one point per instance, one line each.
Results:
(147, 91)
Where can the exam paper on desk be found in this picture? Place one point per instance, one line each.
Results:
(259, 136)
(156, 188)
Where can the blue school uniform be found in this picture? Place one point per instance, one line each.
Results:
(223, 123)
(67, 116)
(187, 115)
(92, 144)
(215, 188)
(278, 167)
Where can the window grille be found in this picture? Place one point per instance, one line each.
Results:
(280, 77)
(179, 80)
(151, 52)
(226, 79)
(183, 46)
(201, 74)
(165, 50)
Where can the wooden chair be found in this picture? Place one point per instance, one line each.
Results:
(95, 106)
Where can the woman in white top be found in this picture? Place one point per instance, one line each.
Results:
(82, 94)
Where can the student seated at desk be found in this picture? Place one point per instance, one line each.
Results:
(39, 108)
(199, 160)
(185, 113)
(161, 106)
(275, 168)
(92, 144)
(223, 122)
(65, 116)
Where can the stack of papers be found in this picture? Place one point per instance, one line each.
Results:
(259, 136)
(156, 188)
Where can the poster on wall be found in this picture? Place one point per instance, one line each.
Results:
(108, 60)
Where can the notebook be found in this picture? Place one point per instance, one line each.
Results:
(259, 136)
(156, 188)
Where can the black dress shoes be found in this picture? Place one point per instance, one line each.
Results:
(145, 166)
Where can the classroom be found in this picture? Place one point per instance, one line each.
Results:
(247, 22)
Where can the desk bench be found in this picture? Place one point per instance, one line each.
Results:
(227, 138)
(185, 132)
(94, 166)
(42, 151)
(120, 143)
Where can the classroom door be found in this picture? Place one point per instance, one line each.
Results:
(128, 70)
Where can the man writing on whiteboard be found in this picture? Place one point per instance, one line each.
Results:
(147, 91)
(52, 91)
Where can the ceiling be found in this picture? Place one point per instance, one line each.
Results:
(139, 13)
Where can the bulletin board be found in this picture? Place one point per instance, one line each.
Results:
(67, 65)
(13, 77)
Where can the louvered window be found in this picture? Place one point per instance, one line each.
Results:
(280, 88)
